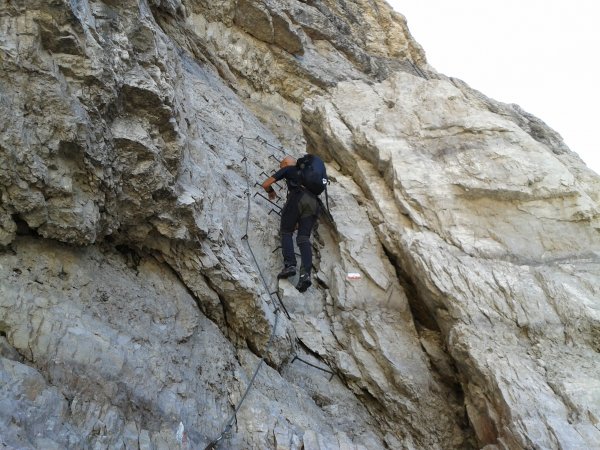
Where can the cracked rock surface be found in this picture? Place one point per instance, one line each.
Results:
(132, 313)
(499, 230)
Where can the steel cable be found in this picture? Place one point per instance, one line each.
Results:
(227, 428)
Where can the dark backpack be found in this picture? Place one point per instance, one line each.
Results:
(313, 175)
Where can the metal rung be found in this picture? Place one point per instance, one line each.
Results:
(267, 199)
(281, 303)
(331, 372)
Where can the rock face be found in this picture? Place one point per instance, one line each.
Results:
(498, 230)
(132, 313)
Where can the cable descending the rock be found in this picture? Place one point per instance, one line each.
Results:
(227, 428)
(231, 419)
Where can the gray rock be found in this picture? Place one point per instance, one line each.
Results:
(32, 413)
(454, 300)
(500, 236)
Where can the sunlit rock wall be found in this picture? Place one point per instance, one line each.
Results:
(132, 314)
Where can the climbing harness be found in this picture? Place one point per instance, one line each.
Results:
(229, 424)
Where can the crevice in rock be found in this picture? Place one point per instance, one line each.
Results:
(443, 366)
(223, 325)
(197, 300)
(446, 373)
(421, 315)
(7, 350)
(228, 328)
(131, 255)
(23, 228)
(253, 349)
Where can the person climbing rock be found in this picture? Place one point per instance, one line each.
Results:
(301, 210)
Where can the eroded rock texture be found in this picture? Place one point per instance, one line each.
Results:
(132, 314)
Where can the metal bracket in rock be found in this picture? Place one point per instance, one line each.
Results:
(227, 428)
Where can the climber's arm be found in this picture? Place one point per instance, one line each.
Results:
(267, 187)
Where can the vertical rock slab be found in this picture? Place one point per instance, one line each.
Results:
(362, 325)
(499, 234)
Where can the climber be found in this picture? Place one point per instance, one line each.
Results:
(301, 210)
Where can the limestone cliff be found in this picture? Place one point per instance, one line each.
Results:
(132, 313)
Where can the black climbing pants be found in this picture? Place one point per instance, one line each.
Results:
(302, 209)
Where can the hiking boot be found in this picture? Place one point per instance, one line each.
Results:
(288, 271)
(303, 282)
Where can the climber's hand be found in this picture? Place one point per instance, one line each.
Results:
(272, 195)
